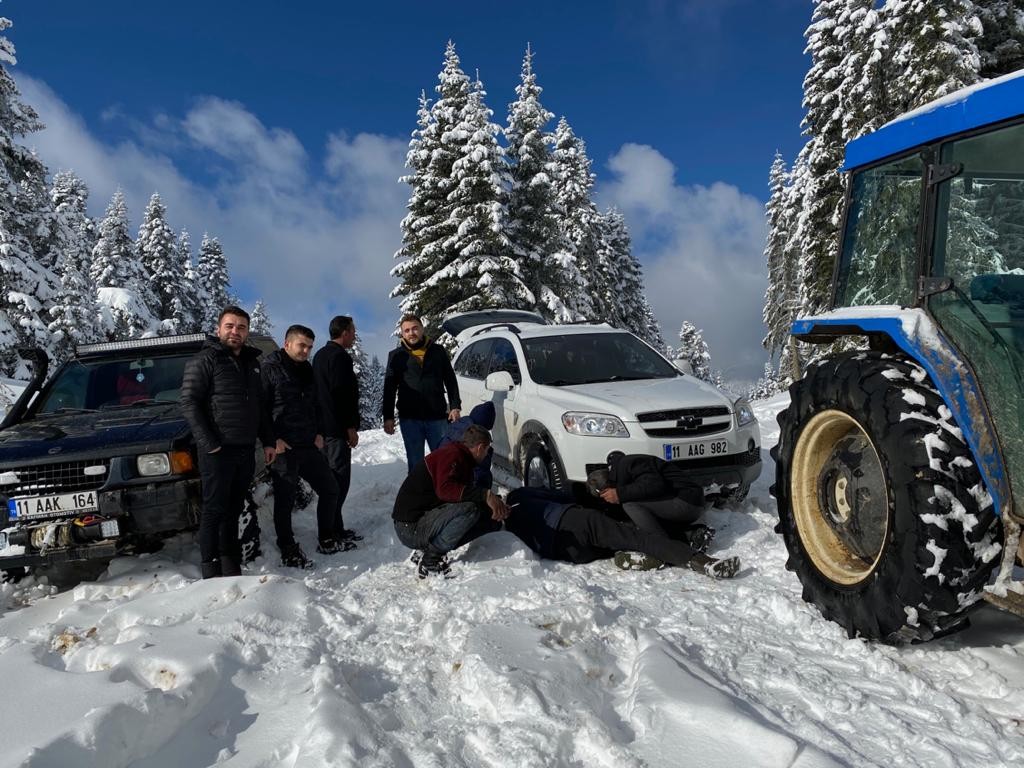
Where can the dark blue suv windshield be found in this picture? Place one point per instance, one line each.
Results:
(588, 358)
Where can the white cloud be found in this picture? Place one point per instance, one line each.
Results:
(311, 245)
(701, 248)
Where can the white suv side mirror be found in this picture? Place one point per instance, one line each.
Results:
(499, 381)
(684, 366)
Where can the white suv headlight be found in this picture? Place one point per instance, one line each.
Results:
(744, 413)
(594, 424)
(150, 464)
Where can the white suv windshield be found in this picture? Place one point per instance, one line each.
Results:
(588, 358)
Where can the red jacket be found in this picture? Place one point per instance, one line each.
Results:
(444, 477)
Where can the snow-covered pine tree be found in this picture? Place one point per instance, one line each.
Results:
(540, 241)
(864, 41)
(371, 394)
(193, 295)
(779, 301)
(1001, 44)
(435, 147)
(74, 312)
(26, 286)
(933, 50)
(627, 300)
(156, 248)
(694, 349)
(212, 277)
(584, 231)
(119, 277)
(478, 271)
(259, 319)
(767, 386)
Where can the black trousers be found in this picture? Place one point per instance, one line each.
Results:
(225, 476)
(669, 517)
(339, 458)
(585, 535)
(310, 465)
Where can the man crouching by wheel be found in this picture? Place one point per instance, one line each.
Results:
(439, 508)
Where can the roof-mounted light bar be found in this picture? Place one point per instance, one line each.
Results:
(155, 341)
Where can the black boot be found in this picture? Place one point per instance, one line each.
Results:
(229, 566)
(725, 568)
(210, 569)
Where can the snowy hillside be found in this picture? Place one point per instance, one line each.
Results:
(516, 662)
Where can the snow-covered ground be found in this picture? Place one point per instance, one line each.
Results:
(516, 662)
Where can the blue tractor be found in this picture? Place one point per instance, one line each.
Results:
(900, 463)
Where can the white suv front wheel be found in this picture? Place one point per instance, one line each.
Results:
(541, 467)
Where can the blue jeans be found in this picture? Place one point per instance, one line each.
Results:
(417, 431)
(442, 529)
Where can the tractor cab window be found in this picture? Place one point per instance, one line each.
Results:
(879, 264)
(979, 243)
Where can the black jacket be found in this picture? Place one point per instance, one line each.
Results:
(420, 388)
(337, 390)
(639, 477)
(222, 399)
(290, 394)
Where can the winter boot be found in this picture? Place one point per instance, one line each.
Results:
(347, 534)
(725, 568)
(636, 561)
(229, 566)
(416, 556)
(333, 546)
(292, 556)
(211, 569)
(699, 537)
(434, 564)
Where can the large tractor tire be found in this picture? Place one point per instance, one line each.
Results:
(887, 522)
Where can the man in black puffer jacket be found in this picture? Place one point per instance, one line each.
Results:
(222, 400)
(289, 389)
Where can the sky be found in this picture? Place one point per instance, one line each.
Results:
(282, 128)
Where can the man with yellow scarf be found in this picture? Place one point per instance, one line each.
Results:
(419, 373)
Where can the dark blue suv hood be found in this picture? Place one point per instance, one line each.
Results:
(121, 431)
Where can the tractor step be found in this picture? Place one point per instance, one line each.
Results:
(1005, 592)
(1012, 602)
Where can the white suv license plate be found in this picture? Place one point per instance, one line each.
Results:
(674, 451)
(51, 506)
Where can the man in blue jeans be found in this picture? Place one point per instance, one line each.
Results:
(439, 508)
(419, 374)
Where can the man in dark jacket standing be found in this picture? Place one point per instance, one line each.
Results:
(290, 393)
(420, 374)
(222, 401)
(337, 393)
(438, 507)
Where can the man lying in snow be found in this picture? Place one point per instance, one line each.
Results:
(438, 508)
(555, 527)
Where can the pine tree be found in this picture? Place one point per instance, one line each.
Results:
(371, 394)
(534, 209)
(193, 294)
(435, 147)
(119, 277)
(694, 349)
(26, 286)
(584, 232)
(933, 49)
(156, 249)
(74, 311)
(778, 298)
(259, 320)
(626, 300)
(212, 276)
(864, 93)
(478, 272)
(1001, 43)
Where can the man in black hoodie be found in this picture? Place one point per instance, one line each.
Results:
(337, 394)
(419, 373)
(291, 395)
(222, 401)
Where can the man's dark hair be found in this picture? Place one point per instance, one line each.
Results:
(339, 324)
(409, 318)
(233, 310)
(299, 330)
(597, 481)
(476, 435)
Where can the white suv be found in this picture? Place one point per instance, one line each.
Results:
(568, 395)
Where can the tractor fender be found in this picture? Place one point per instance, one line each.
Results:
(917, 335)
